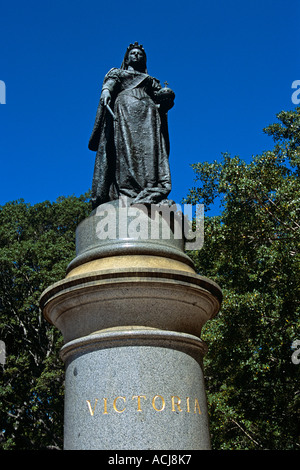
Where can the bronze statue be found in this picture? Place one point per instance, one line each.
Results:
(130, 134)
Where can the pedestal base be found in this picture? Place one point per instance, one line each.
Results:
(131, 312)
(139, 389)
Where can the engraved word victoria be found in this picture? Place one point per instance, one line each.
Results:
(137, 403)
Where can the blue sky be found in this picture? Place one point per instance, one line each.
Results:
(231, 64)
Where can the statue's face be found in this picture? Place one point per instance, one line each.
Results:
(135, 58)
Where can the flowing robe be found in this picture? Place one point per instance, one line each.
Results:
(132, 151)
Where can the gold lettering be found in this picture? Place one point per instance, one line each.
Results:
(139, 401)
(162, 401)
(115, 406)
(197, 406)
(158, 403)
(92, 410)
(188, 404)
(177, 403)
(105, 412)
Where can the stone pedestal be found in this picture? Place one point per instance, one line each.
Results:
(131, 311)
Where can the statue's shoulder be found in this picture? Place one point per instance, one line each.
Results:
(114, 73)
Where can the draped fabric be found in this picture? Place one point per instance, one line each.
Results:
(132, 151)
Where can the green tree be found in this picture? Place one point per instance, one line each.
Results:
(36, 244)
(252, 251)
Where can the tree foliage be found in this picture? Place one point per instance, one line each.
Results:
(36, 245)
(252, 251)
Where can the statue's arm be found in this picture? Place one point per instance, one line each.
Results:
(110, 85)
(155, 87)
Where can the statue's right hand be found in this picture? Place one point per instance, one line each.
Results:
(105, 97)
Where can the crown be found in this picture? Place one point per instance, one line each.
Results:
(135, 45)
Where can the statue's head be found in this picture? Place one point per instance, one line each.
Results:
(135, 56)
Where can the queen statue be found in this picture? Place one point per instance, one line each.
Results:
(130, 135)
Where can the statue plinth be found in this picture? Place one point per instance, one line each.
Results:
(131, 310)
